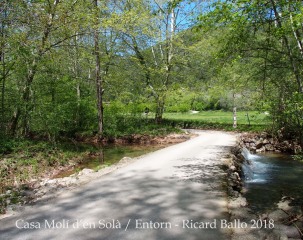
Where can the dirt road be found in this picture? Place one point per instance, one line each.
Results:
(173, 193)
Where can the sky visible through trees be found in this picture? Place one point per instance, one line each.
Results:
(70, 67)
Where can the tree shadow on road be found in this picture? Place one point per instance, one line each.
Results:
(118, 197)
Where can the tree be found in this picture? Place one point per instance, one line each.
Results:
(3, 49)
(43, 26)
(7, 58)
(152, 41)
(268, 33)
(99, 86)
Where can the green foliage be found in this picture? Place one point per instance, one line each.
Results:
(288, 116)
(298, 157)
(6, 145)
(230, 60)
(121, 120)
(182, 100)
(260, 53)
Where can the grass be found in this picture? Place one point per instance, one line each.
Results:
(255, 117)
(29, 159)
(219, 120)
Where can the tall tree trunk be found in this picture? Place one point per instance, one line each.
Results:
(27, 106)
(285, 40)
(234, 111)
(170, 51)
(160, 109)
(14, 121)
(78, 114)
(3, 71)
(26, 94)
(2, 124)
(170, 32)
(76, 75)
(295, 30)
(98, 72)
(27, 97)
(3, 82)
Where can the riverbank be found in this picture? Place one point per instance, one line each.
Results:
(265, 142)
(283, 222)
(28, 174)
(47, 188)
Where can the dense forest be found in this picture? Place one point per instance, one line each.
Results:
(95, 67)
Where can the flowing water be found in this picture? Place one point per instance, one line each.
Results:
(269, 177)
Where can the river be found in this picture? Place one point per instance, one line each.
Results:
(271, 176)
(102, 156)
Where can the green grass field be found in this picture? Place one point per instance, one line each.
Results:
(256, 118)
(220, 120)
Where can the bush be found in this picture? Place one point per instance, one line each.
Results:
(198, 106)
(6, 145)
(179, 107)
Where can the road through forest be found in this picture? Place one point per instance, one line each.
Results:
(166, 194)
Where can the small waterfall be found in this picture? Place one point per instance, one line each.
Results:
(246, 154)
(248, 164)
(254, 170)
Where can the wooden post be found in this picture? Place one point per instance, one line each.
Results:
(248, 119)
(235, 117)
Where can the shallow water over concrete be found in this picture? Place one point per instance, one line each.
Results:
(102, 156)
